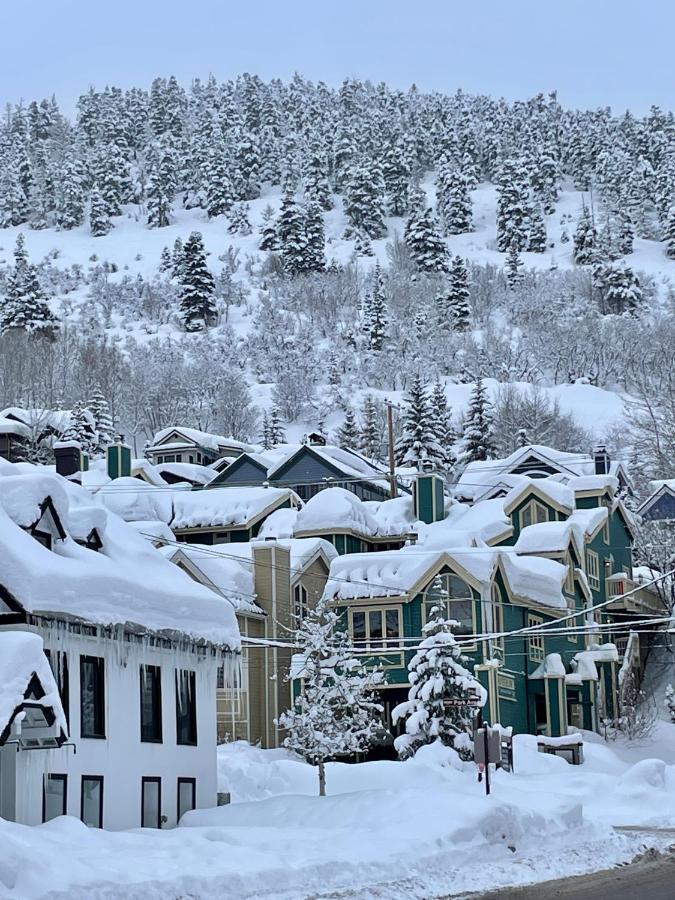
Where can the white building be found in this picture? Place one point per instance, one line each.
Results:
(135, 646)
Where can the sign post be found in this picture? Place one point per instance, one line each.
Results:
(487, 749)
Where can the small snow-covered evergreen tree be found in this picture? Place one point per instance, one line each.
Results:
(454, 201)
(669, 233)
(375, 312)
(426, 246)
(453, 304)
(25, 305)
(585, 240)
(161, 185)
(348, 432)
(513, 206)
(265, 441)
(370, 436)
(364, 200)
(269, 240)
(277, 433)
(477, 434)
(79, 429)
(103, 423)
(197, 286)
(219, 190)
(418, 441)
(336, 712)
(513, 267)
(442, 691)
(99, 219)
(238, 219)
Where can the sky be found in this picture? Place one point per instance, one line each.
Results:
(595, 52)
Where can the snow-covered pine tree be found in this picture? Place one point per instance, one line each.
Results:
(442, 691)
(165, 261)
(25, 305)
(425, 245)
(177, 257)
(348, 432)
(197, 286)
(70, 198)
(478, 441)
(442, 420)
(537, 234)
(669, 233)
(265, 441)
(453, 200)
(315, 179)
(103, 423)
(585, 239)
(362, 244)
(396, 175)
(269, 241)
(13, 196)
(669, 701)
(292, 234)
(336, 713)
(452, 304)
(513, 266)
(375, 312)
(219, 189)
(315, 238)
(238, 221)
(418, 442)
(364, 200)
(99, 220)
(277, 432)
(621, 290)
(79, 428)
(161, 185)
(513, 206)
(370, 435)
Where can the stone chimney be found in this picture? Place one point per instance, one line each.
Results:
(68, 458)
(601, 460)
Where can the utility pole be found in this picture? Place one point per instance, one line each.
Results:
(390, 437)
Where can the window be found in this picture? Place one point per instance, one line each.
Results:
(376, 628)
(151, 802)
(455, 598)
(569, 578)
(186, 707)
(300, 608)
(54, 796)
(151, 704)
(532, 514)
(605, 531)
(593, 569)
(536, 641)
(42, 537)
(91, 805)
(58, 660)
(497, 618)
(92, 697)
(187, 790)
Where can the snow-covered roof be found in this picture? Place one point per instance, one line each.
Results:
(396, 573)
(593, 483)
(57, 419)
(136, 501)
(186, 471)
(127, 582)
(22, 657)
(550, 537)
(149, 473)
(154, 531)
(201, 438)
(280, 524)
(10, 426)
(479, 476)
(485, 520)
(394, 516)
(550, 489)
(226, 506)
(551, 666)
(588, 521)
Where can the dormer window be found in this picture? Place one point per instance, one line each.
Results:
(533, 513)
(48, 528)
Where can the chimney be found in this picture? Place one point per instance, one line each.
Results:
(118, 456)
(68, 458)
(428, 497)
(601, 460)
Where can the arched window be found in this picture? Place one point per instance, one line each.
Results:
(300, 605)
(455, 598)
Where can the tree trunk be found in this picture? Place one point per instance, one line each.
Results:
(322, 779)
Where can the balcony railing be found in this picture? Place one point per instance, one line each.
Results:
(631, 596)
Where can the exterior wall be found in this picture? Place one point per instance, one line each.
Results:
(121, 758)
(240, 472)
(661, 509)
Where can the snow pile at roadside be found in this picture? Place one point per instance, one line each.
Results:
(419, 829)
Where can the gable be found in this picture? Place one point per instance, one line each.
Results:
(305, 465)
(243, 471)
(660, 507)
(535, 468)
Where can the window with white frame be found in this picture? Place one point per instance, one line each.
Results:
(455, 599)
(533, 513)
(535, 641)
(593, 569)
(569, 578)
(375, 629)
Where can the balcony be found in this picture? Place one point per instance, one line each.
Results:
(640, 600)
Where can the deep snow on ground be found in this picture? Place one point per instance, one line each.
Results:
(417, 829)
